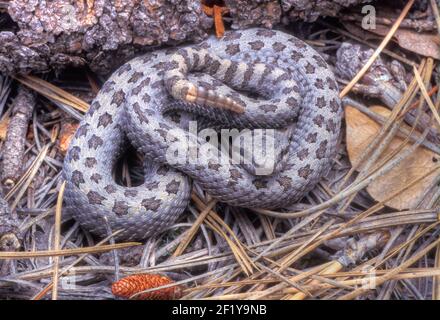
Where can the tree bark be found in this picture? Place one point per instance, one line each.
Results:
(102, 34)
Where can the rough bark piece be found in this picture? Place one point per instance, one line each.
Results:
(104, 33)
(14, 146)
(310, 10)
(246, 13)
(101, 33)
(267, 13)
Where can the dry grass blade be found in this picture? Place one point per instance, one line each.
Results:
(56, 241)
(315, 286)
(296, 279)
(426, 95)
(218, 225)
(191, 232)
(236, 248)
(362, 279)
(66, 252)
(284, 279)
(395, 252)
(49, 286)
(335, 266)
(53, 92)
(407, 243)
(306, 247)
(408, 273)
(24, 182)
(380, 280)
(231, 283)
(435, 10)
(436, 281)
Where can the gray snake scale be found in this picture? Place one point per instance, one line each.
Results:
(295, 93)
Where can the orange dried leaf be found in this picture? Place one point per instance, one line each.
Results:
(4, 123)
(128, 286)
(67, 131)
(361, 130)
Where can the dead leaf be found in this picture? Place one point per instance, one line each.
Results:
(4, 123)
(67, 131)
(361, 130)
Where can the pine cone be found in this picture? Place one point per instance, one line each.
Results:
(128, 286)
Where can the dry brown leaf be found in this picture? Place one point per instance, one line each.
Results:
(67, 131)
(361, 131)
(4, 123)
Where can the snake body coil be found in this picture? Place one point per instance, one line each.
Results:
(252, 79)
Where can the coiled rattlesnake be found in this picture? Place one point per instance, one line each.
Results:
(261, 78)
